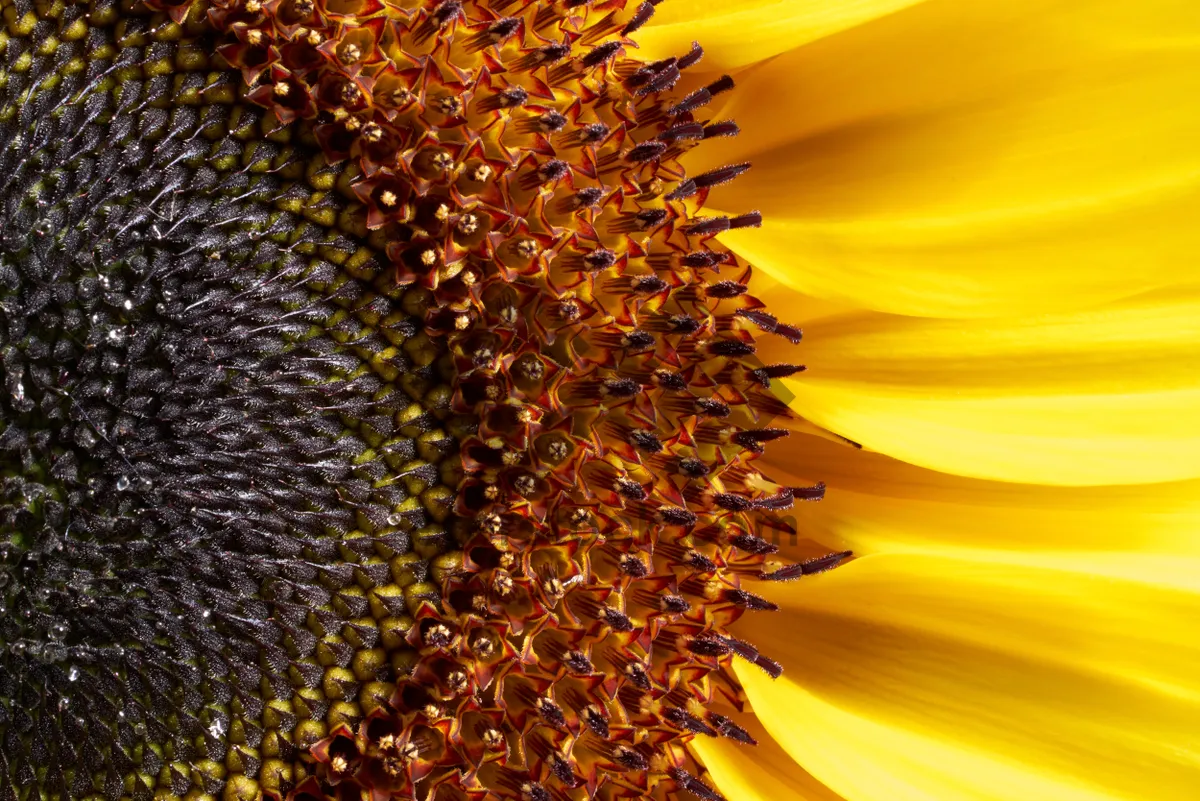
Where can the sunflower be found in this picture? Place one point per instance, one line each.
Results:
(391, 411)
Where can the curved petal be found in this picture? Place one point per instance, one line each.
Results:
(762, 772)
(1106, 396)
(974, 159)
(736, 33)
(875, 504)
(914, 677)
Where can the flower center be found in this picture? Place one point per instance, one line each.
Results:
(400, 405)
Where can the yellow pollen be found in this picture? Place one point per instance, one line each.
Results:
(388, 198)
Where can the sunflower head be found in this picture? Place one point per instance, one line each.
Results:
(380, 412)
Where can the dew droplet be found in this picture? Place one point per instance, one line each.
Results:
(123, 483)
(395, 519)
(73, 674)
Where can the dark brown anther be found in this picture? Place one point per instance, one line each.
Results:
(753, 544)
(601, 54)
(682, 719)
(503, 28)
(672, 382)
(662, 80)
(728, 728)
(693, 785)
(648, 284)
(553, 170)
(630, 758)
(646, 152)
(770, 324)
(513, 96)
(682, 324)
(550, 54)
(637, 675)
(595, 720)
(640, 17)
(533, 791)
(637, 340)
(733, 502)
(645, 441)
(620, 388)
(674, 604)
(550, 122)
(630, 489)
(599, 259)
(763, 375)
(811, 567)
(703, 260)
(748, 600)
(577, 662)
(716, 225)
(748, 652)
(616, 619)
(685, 190)
(631, 566)
(729, 347)
(753, 438)
(587, 197)
(721, 129)
(593, 132)
(562, 770)
(681, 131)
(698, 561)
(446, 11)
(676, 516)
(709, 645)
(650, 218)
(551, 712)
(725, 289)
(693, 56)
(711, 407)
(693, 468)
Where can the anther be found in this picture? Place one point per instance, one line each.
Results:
(637, 675)
(620, 388)
(729, 347)
(631, 566)
(637, 340)
(502, 29)
(550, 53)
(674, 604)
(693, 468)
(532, 791)
(595, 720)
(593, 132)
(694, 785)
(551, 712)
(676, 516)
(716, 225)
(577, 662)
(693, 56)
(551, 121)
(601, 54)
(647, 284)
(617, 619)
(725, 289)
(645, 441)
(748, 600)
(721, 129)
(682, 719)
(588, 196)
(513, 96)
(650, 218)
(770, 324)
(640, 17)
(446, 11)
(703, 259)
(600, 259)
(553, 170)
(681, 131)
(645, 152)
(808, 568)
(630, 758)
(728, 728)
(708, 179)
(628, 488)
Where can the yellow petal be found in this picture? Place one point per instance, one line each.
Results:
(1106, 396)
(913, 677)
(740, 32)
(972, 159)
(762, 772)
(1142, 532)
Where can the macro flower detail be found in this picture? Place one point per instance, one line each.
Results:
(381, 412)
